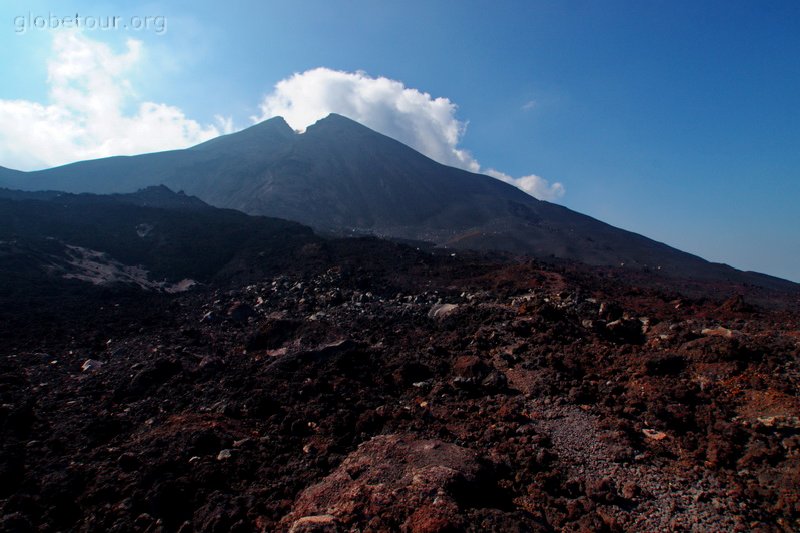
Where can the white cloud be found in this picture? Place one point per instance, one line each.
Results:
(86, 114)
(427, 124)
(94, 112)
(532, 184)
(225, 124)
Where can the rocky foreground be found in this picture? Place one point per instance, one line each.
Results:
(473, 396)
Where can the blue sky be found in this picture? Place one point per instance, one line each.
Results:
(677, 120)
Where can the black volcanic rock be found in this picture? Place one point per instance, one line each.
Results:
(363, 412)
(342, 177)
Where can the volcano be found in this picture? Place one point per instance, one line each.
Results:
(342, 178)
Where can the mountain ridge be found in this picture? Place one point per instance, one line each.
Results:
(341, 177)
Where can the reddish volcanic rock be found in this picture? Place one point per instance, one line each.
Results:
(470, 367)
(394, 480)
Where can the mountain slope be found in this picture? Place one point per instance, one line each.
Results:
(342, 177)
(153, 238)
(9, 176)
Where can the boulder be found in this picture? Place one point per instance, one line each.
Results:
(240, 312)
(91, 364)
(392, 479)
(441, 310)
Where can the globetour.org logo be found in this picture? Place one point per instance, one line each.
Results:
(52, 21)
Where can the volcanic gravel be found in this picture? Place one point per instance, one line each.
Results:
(505, 397)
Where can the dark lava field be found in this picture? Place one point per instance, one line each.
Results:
(421, 393)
